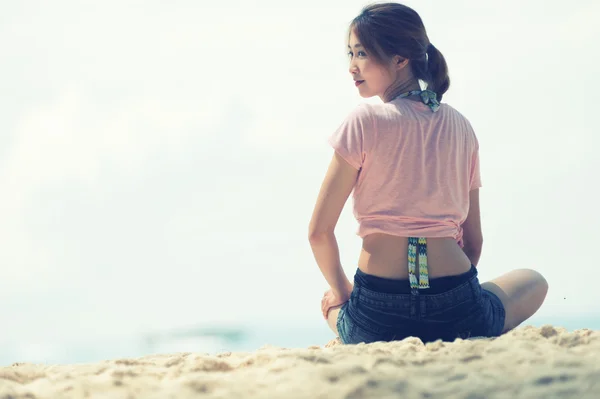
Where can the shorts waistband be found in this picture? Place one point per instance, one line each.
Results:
(466, 287)
(392, 286)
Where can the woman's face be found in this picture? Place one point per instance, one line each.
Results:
(371, 78)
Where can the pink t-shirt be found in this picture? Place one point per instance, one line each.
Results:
(416, 168)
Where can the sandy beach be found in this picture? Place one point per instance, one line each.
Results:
(546, 362)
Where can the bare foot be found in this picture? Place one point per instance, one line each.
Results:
(333, 342)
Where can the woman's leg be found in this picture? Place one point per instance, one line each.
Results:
(332, 317)
(521, 291)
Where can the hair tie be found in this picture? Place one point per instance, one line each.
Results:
(430, 99)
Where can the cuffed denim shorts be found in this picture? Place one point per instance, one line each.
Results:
(464, 311)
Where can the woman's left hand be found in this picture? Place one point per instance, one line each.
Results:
(331, 300)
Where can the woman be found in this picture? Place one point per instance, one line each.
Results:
(412, 164)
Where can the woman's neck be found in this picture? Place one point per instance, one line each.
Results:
(400, 87)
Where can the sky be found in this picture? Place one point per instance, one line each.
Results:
(159, 161)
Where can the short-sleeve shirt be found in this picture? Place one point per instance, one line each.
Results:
(416, 168)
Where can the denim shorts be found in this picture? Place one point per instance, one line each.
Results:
(464, 311)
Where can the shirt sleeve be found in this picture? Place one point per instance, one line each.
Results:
(475, 178)
(349, 139)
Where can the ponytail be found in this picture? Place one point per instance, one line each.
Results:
(389, 29)
(439, 81)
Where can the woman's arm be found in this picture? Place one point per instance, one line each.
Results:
(335, 190)
(472, 235)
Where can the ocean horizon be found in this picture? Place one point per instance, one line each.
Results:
(209, 339)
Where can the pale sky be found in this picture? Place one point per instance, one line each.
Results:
(159, 161)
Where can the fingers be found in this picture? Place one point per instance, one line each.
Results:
(324, 307)
(326, 303)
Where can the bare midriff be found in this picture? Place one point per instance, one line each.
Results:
(385, 255)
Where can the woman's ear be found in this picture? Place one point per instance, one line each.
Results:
(400, 62)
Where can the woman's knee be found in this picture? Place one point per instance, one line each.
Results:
(543, 282)
(538, 282)
(526, 279)
(521, 291)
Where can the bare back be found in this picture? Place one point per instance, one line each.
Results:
(384, 255)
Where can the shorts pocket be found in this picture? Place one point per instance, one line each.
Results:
(364, 328)
(361, 335)
(452, 312)
(473, 325)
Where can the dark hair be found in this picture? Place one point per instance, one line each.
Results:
(389, 29)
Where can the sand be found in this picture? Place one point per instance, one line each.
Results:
(528, 362)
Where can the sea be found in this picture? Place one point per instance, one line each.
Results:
(202, 339)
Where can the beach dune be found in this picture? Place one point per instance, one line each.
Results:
(529, 362)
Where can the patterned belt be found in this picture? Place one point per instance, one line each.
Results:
(417, 245)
